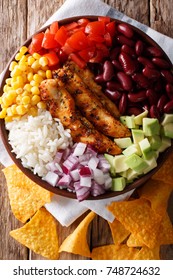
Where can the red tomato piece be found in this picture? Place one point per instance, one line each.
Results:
(111, 28)
(96, 38)
(79, 28)
(78, 41)
(37, 41)
(67, 48)
(49, 42)
(62, 56)
(95, 27)
(108, 39)
(87, 54)
(52, 57)
(97, 58)
(71, 25)
(61, 36)
(31, 49)
(79, 61)
(104, 19)
(83, 21)
(54, 27)
(103, 49)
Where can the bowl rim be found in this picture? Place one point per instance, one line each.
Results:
(35, 178)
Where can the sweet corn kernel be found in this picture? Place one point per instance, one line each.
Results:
(16, 85)
(37, 78)
(30, 76)
(35, 90)
(35, 65)
(22, 67)
(9, 112)
(33, 111)
(27, 87)
(31, 60)
(23, 59)
(19, 99)
(8, 119)
(13, 109)
(36, 55)
(6, 88)
(43, 61)
(49, 74)
(42, 73)
(3, 113)
(41, 105)
(6, 102)
(26, 100)
(12, 65)
(18, 56)
(26, 93)
(45, 68)
(34, 83)
(16, 71)
(21, 110)
(8, 81)
(19, 91)
(23, 49)
(11, 95)
(35, 99)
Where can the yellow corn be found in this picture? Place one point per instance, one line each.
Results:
(31, 60)
(42, 73)
(43, 61)
(21, 110)
(36, 56)
(12, 65)
(27, 87)
(41, 105)
(26, 100)
(8, 119)
(35, 65)
(35, 90)
(3, 113)
(37, 78)
(18, 56)
(23, 49)
(49, 74)
(33, 111)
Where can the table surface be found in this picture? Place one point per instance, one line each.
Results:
(21, 18)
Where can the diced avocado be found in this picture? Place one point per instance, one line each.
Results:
(167, 118)
(118, 184)
(123, 142)
(146, 149)
(136, 163)
(130, 123)
(138, 119)
(168, 130)
(120, 164)
(151, 126)
(133, 149)
(166, 143)
(152, 163)
(131, 175)
(155, 142)
(123, 173)
(137, 135)
(110, 159)
(123, 119)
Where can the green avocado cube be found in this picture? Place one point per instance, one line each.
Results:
(118, 184)
(167, 130)
(131, 174)
(167, 118)
(123, 142)
(155, 142)
(133, 149)
(110, 159)
(146, 149)
(166, 143)
(151, 126)
(137, 135)
(136, 163)
(139, 118)
(152, 163)
(120, 164)
(130, 123)
(123, 119)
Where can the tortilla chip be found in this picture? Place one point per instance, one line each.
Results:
(26, 197)
(158, 193)
(39, 235)
(138, 217)
(165, 173)
(165, 235)
(114, 252)
(119, 232)
(132, 241)
(76, 242)
(148, 254)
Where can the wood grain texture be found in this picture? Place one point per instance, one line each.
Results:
(21, 18)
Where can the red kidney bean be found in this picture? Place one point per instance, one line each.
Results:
(168, 108)
(141, 80)
(129, 65)
(169, 91)
(117, 65)
(114, 53)
(167, 76)
(113, 95)
(151, 73)
(114, 86)
(134, 111)
(125, 80)
(158, 86)
(123, 104)
(125, 29)
(139, 47)
(154, 112)
(108, 70)
(153, 51)
(128, 50)
(161, 63)
(152, 96)
(99, 79)
(146, 62)
(125, 41)
(137, 97)
(161, 103)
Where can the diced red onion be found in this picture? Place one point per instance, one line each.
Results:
(69, 164)
(64, 181)
(75, 175)
(81, 193)
(93, 162)
(85, 171)
(98, 176)
(108, 181)
(103, 164)
(90, 150)
(58, 156)
(97, 189)
(85, 181)
(51, 178)
(79, 149)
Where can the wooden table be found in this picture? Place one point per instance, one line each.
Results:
(18, 20)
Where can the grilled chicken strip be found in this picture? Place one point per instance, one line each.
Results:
(62, 106)
(90, 105)
(88, 78)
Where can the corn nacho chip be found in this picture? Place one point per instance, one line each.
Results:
(158, 193)
(114, 252)
(165, 173)
(76, 242)
(138, 217)
(39, 234)
(132, 241)
(119, 232)
(148, 254)
(165, 235)
(26, 197)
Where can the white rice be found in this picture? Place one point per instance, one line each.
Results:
(35, 140)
